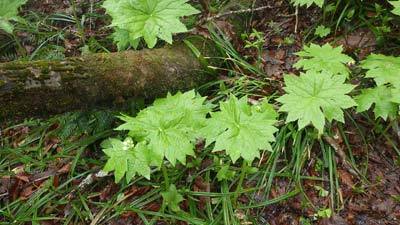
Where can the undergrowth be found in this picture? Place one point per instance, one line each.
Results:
(206, 160)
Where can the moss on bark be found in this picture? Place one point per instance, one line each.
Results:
(50, 87)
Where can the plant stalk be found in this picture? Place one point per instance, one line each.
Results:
(166, 178)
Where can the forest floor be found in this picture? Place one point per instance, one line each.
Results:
(49, 167)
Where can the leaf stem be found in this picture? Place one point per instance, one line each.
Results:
(166, 178)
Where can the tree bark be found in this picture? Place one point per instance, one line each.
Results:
(49, 87)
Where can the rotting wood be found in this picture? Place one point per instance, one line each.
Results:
(50, 87)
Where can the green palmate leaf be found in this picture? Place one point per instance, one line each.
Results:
(172, 198)
(150, 19)
(379, 96)
(9, 12)
(383, 69)
(240, 129)
(313, 96)
(225, 173)
(396, 5)
(322, 31)
(126, 159)
(188, 104)
(324, 213)
(324, 59)
(170, 126)
(308, 3)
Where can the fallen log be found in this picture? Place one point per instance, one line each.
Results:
(50, 87)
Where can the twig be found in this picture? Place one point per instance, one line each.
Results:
(286, 15)
(239, 12)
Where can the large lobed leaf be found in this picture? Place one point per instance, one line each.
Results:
(240, 129)
(314, 96)
(126, 159)
(169, 127)
(324, 58)
(382, 99)
(383, 69)
(150, 19)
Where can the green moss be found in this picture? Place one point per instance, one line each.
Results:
(99, 79)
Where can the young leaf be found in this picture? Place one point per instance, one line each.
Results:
(125, 159)
(322, 31)
(308, 3)
(379, 96)
(150, 19)
(313, 96)
(324, 213)
(396, 5)
(9, 12)
(170, 126)
(172, 198)
(240, 129)
(324, 58)
(225, 173)
(383, 69)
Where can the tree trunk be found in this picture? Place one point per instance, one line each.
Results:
(50, 87)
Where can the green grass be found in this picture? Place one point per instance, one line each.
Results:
(287, 161)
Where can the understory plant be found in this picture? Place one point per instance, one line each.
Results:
(167, 129)
(384, 96)
(170, 128)
(147, 19)
(313, 97)
(325, 59)
(240, 129)
(167, 132)
(321, 92)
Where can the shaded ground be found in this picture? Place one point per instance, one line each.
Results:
(371, 202)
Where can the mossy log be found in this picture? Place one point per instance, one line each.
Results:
(50, 87)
